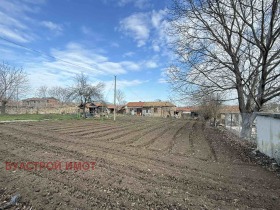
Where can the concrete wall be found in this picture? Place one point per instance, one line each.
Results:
(268, 135)
(49, 110)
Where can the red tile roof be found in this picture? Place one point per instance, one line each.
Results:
(150, 104)
(135, 104)
(158, 104)
(100, 104)
(111, 106)
(229, 109)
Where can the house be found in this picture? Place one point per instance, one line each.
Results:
(134, 108)
(185, 112)
(229, 114)
(40, 102)
(119, 109)
(94, 107)
(157, 109)
(111, 108)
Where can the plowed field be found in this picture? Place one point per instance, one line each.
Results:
(141, 163)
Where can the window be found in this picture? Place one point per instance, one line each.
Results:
(155, 110)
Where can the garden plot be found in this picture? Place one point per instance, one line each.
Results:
(141, 163)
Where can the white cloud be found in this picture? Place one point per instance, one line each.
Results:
(115, 44)
(75, 58)
(19, 8)
(15, 21)
(141, 4)
(14, 34)
(128, 54)
(8, 20)
(130, 83)
(86, 30)
(130, 65)
(13, 29)
(122, 84)
(136, 26)
(162, 81)
(163, 76)
(146, 27)
(52, 26)
(157, 17)
(151, 64)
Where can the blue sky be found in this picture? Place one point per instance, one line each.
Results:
(101, 38)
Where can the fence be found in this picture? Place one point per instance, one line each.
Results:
(233, 123)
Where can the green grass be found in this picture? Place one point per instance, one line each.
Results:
(9, 117)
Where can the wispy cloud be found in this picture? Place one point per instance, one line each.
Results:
(76, 58)
(88, 60)
(136, 26)
(163, 76)
(15, 19)
(56, 28)
(151, 64)
(86, 30)
(128, 54)
(141, 4)
(13, 29)
(145, 27)
(130, 83)
(123, 85)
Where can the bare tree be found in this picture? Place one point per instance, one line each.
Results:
(42, 91)
(84, 91)
(13, 82)
(59, 93)
(120, 96)
(228, 45)
(209, 104)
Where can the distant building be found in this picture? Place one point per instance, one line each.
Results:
(229, 115)
(157, 109)
(40, 102)
(188, 111)
(94, 107)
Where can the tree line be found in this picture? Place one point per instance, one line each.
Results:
(14, 83)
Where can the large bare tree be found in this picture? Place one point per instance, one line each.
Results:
(60, 93)
(85, 92)
(13, 82)
(228, 46)
(42, 91)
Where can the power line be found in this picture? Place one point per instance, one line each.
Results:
(129, 89)
(109, 91)
(42, 53)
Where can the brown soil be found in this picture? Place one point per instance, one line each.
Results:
(141, 163)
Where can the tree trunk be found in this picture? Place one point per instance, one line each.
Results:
(84, 111)
(3, 107)
(247, 123)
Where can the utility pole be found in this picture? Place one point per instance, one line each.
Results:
(17, 100)
(115, 96)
